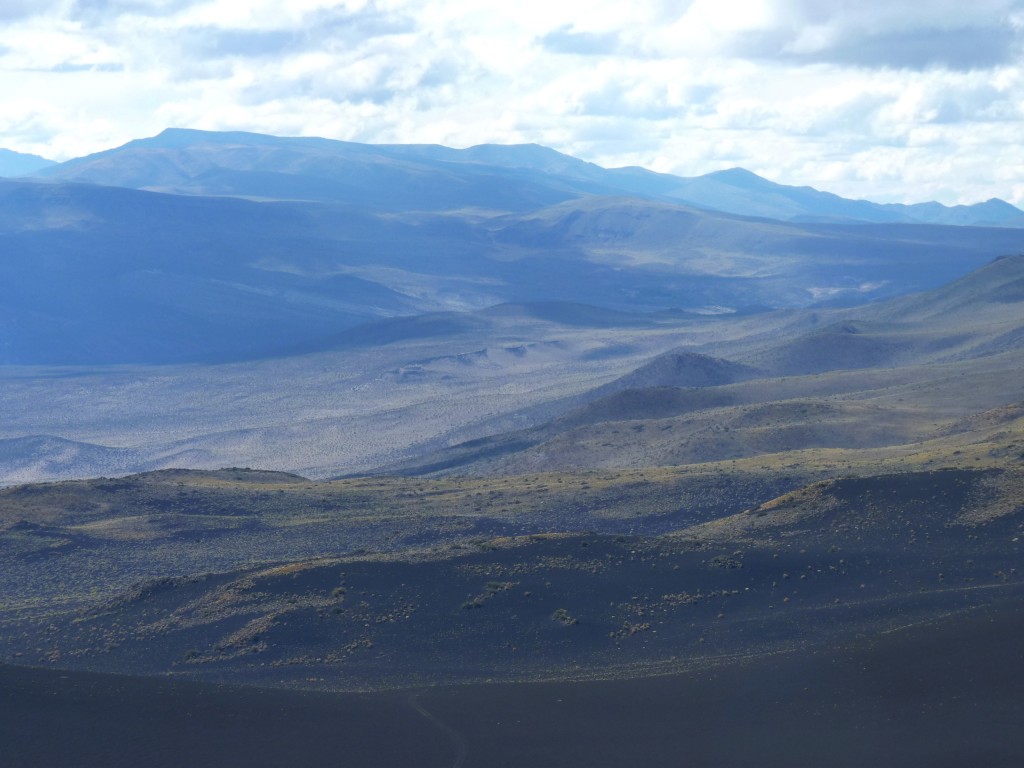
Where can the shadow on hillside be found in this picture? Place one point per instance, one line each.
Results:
(944, 695)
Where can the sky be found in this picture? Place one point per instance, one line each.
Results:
(889, 100)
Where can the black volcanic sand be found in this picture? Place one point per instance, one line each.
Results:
(944, 695)
(948, 695)
(53, 719)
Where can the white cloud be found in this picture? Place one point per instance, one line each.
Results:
(889, 100)
(906, 34)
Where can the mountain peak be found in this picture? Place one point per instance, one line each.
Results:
(171, 138)
(997, 204)
(736, 172)
(738, 175)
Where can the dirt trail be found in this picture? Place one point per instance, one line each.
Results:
(462, 748)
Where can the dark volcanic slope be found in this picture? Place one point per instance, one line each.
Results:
(942, 695)
(814, 566)
(50, 718)
(945, 695)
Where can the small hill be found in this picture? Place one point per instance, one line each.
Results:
(681, 368)
(838, 346)
(922, 504)
(646, 404)
(671, 384)
(996, 287)
(993, 418)
(977, 315)
(681, 427)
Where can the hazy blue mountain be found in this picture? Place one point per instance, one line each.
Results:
(21, 164)
(430, 177)
(267, 167)
(991, 213)
(94, 274)
(741, 192)
(757, 262)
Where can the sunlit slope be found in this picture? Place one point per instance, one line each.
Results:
(815, 566)
(884, 377)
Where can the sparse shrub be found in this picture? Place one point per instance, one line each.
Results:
(723, 561)
(561, 615)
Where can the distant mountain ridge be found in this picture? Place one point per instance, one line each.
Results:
(13, 164)
(202, 246)
(739, 191)
(431, 177)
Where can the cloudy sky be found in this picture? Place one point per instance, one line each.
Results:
(892, 100)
